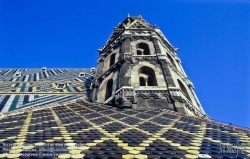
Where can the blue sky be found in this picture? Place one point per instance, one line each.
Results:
(214, 38)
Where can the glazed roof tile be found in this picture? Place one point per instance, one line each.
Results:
(88, 130)
(36, 87)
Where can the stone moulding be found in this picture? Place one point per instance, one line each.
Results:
(130, 94)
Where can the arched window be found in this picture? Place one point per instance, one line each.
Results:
(112, 60)
(147, 76)
(171, 60)
(183, 89)
(109, 89)
(142, 49)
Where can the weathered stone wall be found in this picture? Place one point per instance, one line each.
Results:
(152, 102)
(116, 51)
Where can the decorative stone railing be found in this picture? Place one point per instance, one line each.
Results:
(125, 92)
(162, 56)
(150, 90)
(144, 56)
(174, 91)
(128, 93)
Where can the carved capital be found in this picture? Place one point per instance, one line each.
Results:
(125, 37)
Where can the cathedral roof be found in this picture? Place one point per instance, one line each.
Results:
(40, 118)
(22, 88)
(89, 130)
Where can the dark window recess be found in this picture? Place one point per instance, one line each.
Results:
(4, 101)
(109, 89)
(150, 76)
(142, 81)
(142, 49)
(183, 89)
(150, 81)
(112, 60)
(82, 75)
(60, 86)
(23, 78)
(26, 99)
(34, 77)
(16, 85)
(30, 89)
(139, 52)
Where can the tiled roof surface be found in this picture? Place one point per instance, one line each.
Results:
(87, 130)
(31, 75)
(34, 87)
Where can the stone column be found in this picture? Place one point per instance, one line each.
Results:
(100, 66)
(164, 64)
(146, 81)
(127, 57)
(93, 94)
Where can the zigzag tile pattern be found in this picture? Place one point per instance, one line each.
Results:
(34, 87)
(91, 131)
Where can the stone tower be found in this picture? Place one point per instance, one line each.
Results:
(139, 68)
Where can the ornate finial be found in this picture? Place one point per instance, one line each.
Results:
(176, 49)
(140, 16)
(128, 15)
(99, 50)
